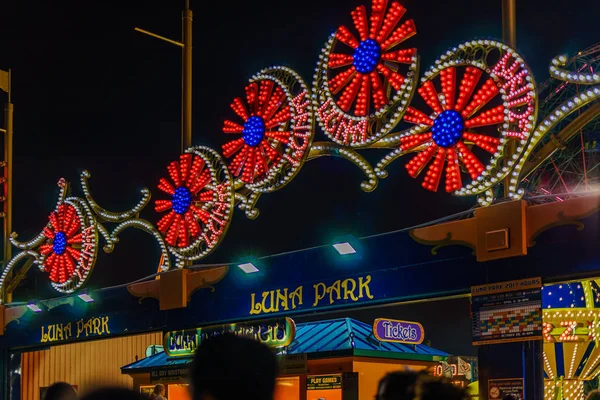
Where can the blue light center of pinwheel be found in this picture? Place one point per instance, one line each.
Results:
(254, 130)
(60, 243)
(366, 56)
(182, 199)
(448, 128)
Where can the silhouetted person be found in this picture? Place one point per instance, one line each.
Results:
(593, 395)
(397, 386)
(228, 367)
(158, 393)
(60, 391)
(114, 394)
(430, 388)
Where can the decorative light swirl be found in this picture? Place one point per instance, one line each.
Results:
(571, 105)
(556, 71)
(147, 227)
(320, 149)
(111, 216)
(27, 254)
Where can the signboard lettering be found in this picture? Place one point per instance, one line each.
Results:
(323, 382)
(274, 333)
(168, 374)
(293, 364)
(507, 312)
(340, 291)
(499, 388)
(97, 326)
(390, 330)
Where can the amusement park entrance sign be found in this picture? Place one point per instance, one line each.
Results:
(468, 124)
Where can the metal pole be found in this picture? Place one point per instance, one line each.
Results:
(8, 167)
(186, 81)
(509, 36)
(509, 22)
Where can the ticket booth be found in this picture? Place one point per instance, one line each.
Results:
(337, 359)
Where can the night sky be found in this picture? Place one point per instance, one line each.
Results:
(90, 93)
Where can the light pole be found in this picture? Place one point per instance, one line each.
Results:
(509, 36)
(186, 73)
(7, 165)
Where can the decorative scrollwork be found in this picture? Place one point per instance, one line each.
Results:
(332, 149)
(111, 216)
(147, 227)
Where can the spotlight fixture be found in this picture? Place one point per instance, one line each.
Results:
(86, 297)
(248, 268)
(34, 307)
(344, 248)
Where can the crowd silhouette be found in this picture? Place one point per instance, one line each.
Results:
(229, 367)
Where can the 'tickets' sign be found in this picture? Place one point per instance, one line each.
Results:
(390, 330)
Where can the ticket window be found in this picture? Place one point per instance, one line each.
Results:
(147, 390)
(178, 392)
(287, 388)
(174, 391)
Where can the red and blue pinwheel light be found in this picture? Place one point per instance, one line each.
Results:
(453, 128)
(373, 61)
(265, 117)
(188, 190)
(64, 233)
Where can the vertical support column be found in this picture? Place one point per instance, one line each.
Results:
(522, 360)
(186, 79)
(509, 36)
(7, 178)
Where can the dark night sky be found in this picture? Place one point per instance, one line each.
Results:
(91, 93)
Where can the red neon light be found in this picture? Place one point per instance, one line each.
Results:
(359, 91)
(181, 224)
(60, 261)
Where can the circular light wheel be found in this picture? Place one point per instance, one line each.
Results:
(366, 75)
(69, 253)
(199, 205)
(273, 130)
(476, 99)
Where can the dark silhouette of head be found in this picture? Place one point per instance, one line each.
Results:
(397, 386)
(61, 391)
(228, 367)
(431, 388)
(159, 390)
(593, 395)
(114, 394)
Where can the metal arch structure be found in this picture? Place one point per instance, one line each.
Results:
(576, 165)
(474, 118)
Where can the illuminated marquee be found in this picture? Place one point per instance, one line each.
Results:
(274, 333)
(340, 291)
(97, 326)
(477, 101)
